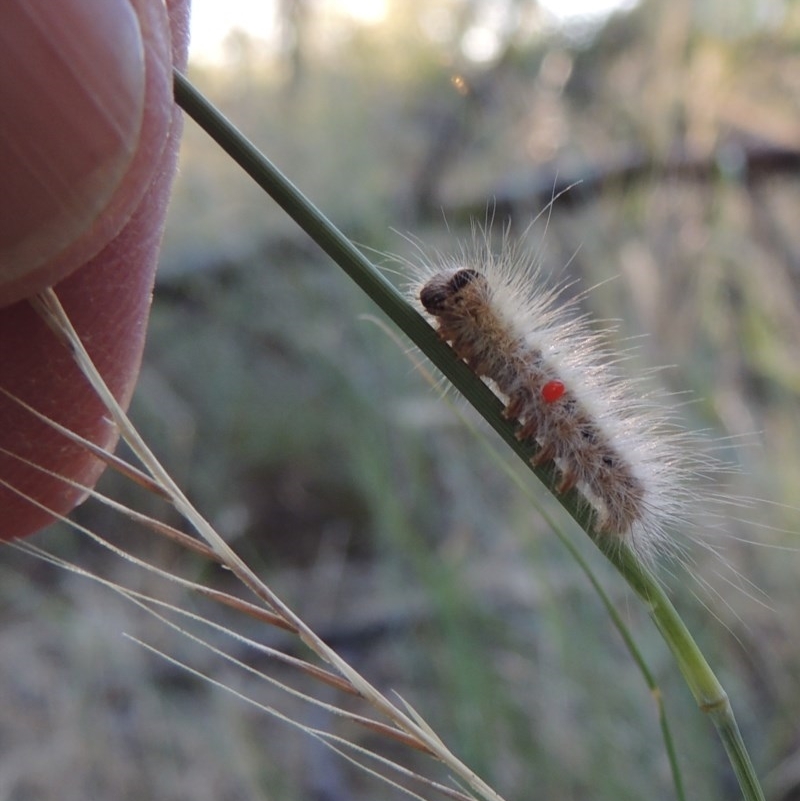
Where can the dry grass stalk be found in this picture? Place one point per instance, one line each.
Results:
(405, 725)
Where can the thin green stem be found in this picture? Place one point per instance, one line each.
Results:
(704, 685)
(613, 613)
(638, 658)
(708, 692)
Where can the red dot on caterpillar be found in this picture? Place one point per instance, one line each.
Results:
(553, 390)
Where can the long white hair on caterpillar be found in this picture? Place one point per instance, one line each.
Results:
(613, 437)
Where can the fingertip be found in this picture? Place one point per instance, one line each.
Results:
(72, 77)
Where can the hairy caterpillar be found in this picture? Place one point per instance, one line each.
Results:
(607, 434)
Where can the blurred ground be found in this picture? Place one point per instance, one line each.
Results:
(306, 435)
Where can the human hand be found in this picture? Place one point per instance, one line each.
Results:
(88, 142)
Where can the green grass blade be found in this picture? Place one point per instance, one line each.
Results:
(705, 687)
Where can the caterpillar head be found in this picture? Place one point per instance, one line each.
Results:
(446, 290)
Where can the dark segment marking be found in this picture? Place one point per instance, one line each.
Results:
(461, 279)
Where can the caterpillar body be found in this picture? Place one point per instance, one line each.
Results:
(606, 434)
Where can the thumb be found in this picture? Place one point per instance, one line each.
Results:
(96, 203)
(84, 85)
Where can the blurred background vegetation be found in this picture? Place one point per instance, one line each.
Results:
(306, 435)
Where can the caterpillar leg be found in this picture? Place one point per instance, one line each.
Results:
(568, 482)
(544, 456)
(516, 405)
(528, 430)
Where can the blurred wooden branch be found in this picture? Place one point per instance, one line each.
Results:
(732, 161)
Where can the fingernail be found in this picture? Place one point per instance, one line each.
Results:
(72, 84)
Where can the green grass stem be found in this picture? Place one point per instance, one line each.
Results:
(707, 691)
